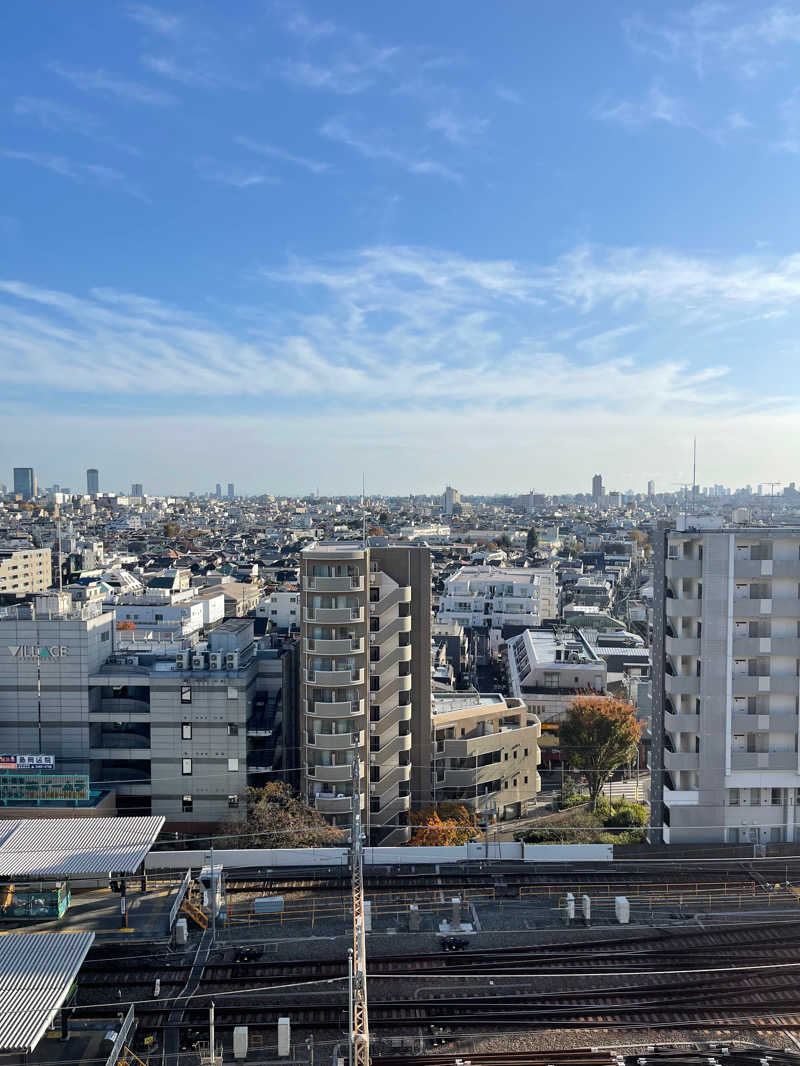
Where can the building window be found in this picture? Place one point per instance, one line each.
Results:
(233, 692)
(186, 731)
(233, 765)
(526, 753)
(105, 635)
(186, 767)
(186, 693)
(186, 804)
(233, 729)
(374, 743)
(233, 802)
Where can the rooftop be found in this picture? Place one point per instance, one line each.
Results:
(69, 847)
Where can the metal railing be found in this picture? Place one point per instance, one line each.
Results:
(122, 1035)
(182, 890)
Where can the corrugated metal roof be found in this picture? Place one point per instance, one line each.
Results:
(36, 973)
(67, 847)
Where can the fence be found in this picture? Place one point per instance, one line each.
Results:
(122, 1036)
(176, 906)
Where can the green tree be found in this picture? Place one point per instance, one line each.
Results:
(504, 541)
(278, 818)
(532, 540)
(598, 735)
(171, 529)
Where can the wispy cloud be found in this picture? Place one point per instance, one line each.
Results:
(101, 81)
(58, 117)
(339, 75)
(509, 95)
(376, 146)
(79, 172)
(193, 76)
(656, 106)
(238, 177)
(458, 128)
(271, 151)
(155, 20)
(302, 25)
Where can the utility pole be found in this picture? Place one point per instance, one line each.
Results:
(359, 1032)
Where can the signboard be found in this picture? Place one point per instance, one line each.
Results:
(38, 651)
(27, 762)
(34, 788)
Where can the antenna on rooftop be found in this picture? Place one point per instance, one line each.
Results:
(364, 509)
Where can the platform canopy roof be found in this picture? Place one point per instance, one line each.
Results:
(36, 974)
(73, 847)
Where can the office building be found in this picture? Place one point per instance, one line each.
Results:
(597, 487)
(93, 482)
(24, 569)
(486, 753)
(726, 657)
(218, 491)
(452, 498)
(366, 680)
(651, 489)
(494, 596)
(230, 490)
(137, 490)
(24, 482)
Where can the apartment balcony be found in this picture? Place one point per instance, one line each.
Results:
(333, 774)
(765, 760)
(390, 780)
(681, 760)
(680, 608)
(109, 705)
(785, 646)
(751, 568)
(391, 748)
(744, 607)
(333, 616)
(346, 646)
(784, 684)
(679, 685)
(334, 584)
(391, 809)
(397, 625)
(391, 688)
(321, 709)
(745, 685)
(682, 723)
(391, 599)
(786, 568)
(401, 834)
(681, 797)
(785, 607)
(677, 568)
(335, 741)
(331, 803)
(334, 678)
(391, 718)
(683, 645)
(745, 646)
(397, 655)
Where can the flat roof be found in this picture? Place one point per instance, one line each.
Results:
(464, 702)
(68, 847)
(36, 974)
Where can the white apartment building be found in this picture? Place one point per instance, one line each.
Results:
(726, 684)
(282, 608)
(365, 682)
(24, 569)
(494, 596)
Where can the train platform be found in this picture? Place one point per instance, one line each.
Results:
(98, 911)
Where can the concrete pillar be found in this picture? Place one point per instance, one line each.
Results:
(414, 918)
(367, 916)
(456, 916)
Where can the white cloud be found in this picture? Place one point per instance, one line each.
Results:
(154, 20)
(509, 95)
(273, 152)
(100, 81)
(376, 146)
(458, 129)
(238, 177)
(191, 76)
(656, 106)
(58, 117)
(79, 172)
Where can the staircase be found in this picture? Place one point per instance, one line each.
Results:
(191, 910)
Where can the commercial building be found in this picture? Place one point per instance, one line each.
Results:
(231, 492)
(486, 753)
(24, 482)
(451, 499)
(597, 487)
(651, 489)
(365, 682)
(726, 701)
(495, 596)
(24, 569)
(93, 482)
(137, 490)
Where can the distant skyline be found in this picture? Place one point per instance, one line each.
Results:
(282, 243)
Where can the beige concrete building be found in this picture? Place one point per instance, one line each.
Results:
(486, 752)
(24, 570)
(365, 679)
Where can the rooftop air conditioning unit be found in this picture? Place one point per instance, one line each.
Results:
(198, 662)
(182, 660)
(232, 660)
(215, 660)
(131, 660)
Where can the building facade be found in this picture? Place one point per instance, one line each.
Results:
(24, 482)
(495, 596)
(93, 482)
(24, 570)
(365, 682)
(726, 684)
(486, 753)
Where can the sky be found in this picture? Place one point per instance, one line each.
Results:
(501, 246)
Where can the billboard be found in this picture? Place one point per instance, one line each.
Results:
(33, 788)
(27, 762)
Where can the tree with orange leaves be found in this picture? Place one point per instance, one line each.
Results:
(598, 735)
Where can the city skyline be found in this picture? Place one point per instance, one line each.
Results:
(269, 210)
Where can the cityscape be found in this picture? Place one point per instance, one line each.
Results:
(400, 534)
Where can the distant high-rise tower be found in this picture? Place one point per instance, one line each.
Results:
(651, 488)
(24, 482)
(93, 481)
(230, 490)
(451, 498)
(218, 492)
(137, 490)
(597, 487)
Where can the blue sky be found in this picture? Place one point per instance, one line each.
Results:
(499, 246)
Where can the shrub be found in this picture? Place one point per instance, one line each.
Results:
(626, 815)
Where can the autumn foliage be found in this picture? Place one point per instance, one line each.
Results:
(598, 735)
(442, 826)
